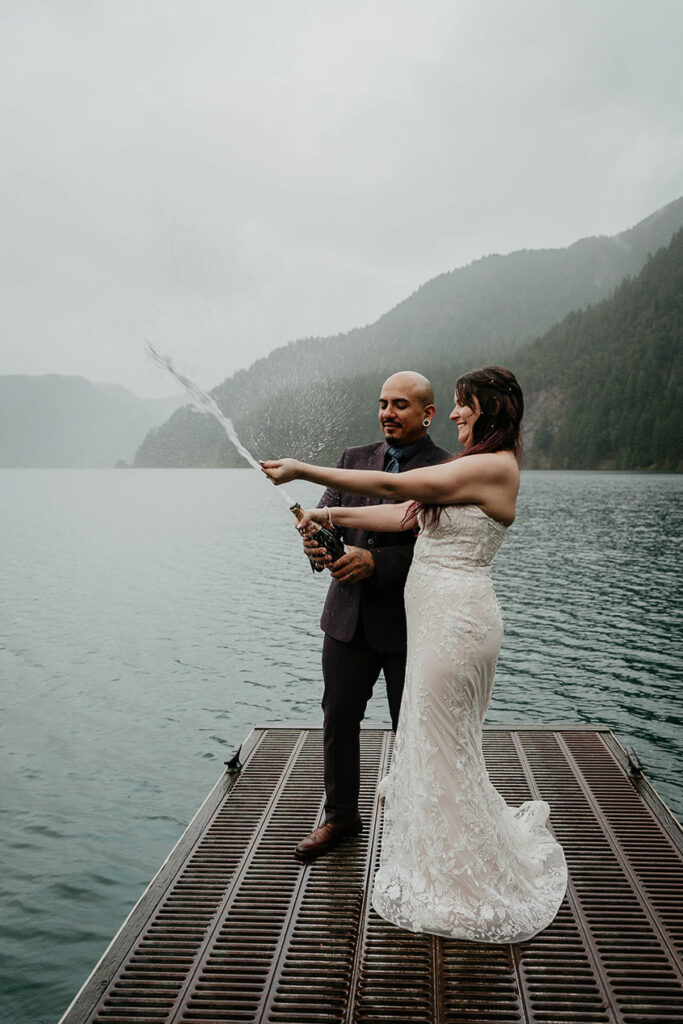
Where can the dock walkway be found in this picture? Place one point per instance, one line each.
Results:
(234, 929)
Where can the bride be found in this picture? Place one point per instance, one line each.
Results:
(456, 860)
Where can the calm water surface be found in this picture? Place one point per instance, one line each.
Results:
(150, 618)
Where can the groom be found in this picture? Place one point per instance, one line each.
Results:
(364, 618)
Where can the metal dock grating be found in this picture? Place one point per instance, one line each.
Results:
(234, 929)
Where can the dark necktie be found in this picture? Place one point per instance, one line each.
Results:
(393, 457)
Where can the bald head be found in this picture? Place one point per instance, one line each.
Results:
(410, 380)
(406, 407)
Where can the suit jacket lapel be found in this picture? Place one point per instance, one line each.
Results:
(376, 460)
(424, 456)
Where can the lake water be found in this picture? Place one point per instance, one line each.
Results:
(151, 617)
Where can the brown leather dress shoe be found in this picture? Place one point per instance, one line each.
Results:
(326, 836)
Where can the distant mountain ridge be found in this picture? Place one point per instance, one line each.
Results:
(63, 421)
(605, 386)
(314, 396)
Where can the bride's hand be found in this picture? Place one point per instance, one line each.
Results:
(280, 471)
(312, 515)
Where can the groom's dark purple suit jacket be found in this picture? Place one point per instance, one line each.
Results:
(378, 600)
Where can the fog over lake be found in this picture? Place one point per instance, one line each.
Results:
(223, 178)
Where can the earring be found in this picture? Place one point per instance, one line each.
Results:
(426, 422)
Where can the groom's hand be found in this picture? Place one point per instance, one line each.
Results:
(319, 556)
(355, 564)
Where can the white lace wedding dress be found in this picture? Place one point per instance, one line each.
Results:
(456, 860)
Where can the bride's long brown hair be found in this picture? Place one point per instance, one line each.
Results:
(497, 429)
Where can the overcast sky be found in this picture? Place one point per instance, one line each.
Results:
(222, 177)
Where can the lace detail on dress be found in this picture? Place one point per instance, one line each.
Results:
(456, 860)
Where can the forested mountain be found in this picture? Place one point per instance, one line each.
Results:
(605, 386)
(314, 396)
(58, 421)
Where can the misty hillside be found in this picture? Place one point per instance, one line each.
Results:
(57, 421)
(605, 386)
(314, 396)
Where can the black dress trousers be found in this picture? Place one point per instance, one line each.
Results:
(350, 671)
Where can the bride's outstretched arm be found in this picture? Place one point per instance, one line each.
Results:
(375, 518)
(461, 480)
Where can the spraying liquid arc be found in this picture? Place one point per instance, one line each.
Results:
(206, 404)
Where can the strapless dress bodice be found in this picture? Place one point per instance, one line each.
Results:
(465, 538)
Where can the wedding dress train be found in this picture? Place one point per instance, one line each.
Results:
(456, 859)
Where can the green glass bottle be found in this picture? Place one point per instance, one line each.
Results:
(325, 538)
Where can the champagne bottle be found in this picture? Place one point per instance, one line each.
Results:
(324, 538)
